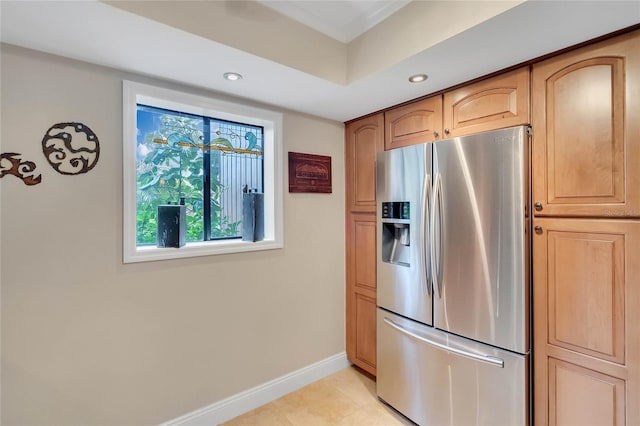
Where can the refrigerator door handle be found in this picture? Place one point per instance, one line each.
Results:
(497, 362)
(440, 240)
(424, 221)
(436, 207)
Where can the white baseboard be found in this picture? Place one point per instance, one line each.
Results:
(250, 399)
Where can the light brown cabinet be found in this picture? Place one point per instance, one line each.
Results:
(414, 123)
(586, 131)
(364, 138)
(495, 103)
(586, 271)
(361, 294)
(586, 321)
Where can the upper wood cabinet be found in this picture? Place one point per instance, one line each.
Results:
(586, 131)
(417, 122)
(364, 138)
(495, 103)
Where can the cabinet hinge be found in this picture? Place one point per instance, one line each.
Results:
(529, 130)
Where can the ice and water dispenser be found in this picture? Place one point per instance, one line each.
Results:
(396, 232)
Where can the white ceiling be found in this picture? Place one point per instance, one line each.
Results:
(342, 20)
(85, 31)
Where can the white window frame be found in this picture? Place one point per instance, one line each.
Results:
(134, 93)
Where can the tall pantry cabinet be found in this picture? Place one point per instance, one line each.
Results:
(364, 138)
(586, 240)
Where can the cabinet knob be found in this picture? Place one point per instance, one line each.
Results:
(446, 131)
(538, 229)
(435, 134)
(538, 206)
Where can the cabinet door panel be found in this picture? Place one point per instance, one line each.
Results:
(579, 396)
(586, 292)
(586, 135)
(366, 331)
(586, 302)
(495, 103)
(417, 122)
(361, 290)
(364, 249)
(364, 138)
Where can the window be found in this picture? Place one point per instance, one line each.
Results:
(200, 161)
(204, 153)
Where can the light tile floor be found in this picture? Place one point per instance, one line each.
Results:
(346, 398)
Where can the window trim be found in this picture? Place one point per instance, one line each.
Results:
(134, 93)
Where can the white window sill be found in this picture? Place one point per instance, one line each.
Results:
(204, 248)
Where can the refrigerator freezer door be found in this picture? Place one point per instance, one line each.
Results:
(480, 238)
(403, 276)
(435, 378)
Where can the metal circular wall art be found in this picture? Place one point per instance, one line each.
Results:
(71, 148)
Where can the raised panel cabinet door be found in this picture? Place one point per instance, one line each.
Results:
(365, 313)
(580, 396)
(417, 122)
(364, 138)
(364, 238)
(586, 131)
(495, 103)
(361, 290)
(586, 304)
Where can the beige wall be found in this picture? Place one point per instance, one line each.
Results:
(88, 340)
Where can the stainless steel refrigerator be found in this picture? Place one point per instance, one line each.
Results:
(453, 320)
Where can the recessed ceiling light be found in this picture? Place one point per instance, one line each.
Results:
(232, 76)
(418, 78)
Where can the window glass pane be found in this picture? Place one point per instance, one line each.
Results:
(236, 164)
(173, 150)
(169, 166)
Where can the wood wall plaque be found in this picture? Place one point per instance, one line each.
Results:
(309, 173)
